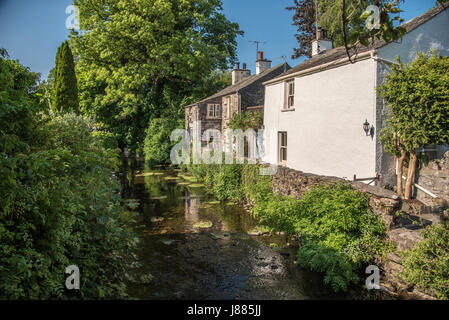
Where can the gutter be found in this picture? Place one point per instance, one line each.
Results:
(330, 65)
(377, 58)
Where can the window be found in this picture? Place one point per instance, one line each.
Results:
(282, 137)
(228, 107)
(213, 111)
(289, 95)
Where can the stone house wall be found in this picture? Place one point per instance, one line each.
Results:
(434, 177)
(234, 109)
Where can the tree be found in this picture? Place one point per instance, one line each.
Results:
(135, 58)
(304, 19)
(418, 98)
(347, 22)
(65, 89)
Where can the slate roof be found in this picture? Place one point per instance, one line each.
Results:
(241, 84)
(340, 52)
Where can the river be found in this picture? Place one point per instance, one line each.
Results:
(198, 248)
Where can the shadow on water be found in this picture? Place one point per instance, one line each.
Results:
(198, 248)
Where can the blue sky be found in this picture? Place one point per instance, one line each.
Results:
(31, 30)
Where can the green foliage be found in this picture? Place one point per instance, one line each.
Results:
(105, 140)
(65, 88)
(247, 120)
(355, 22)
(339, 272)
(223, 181)
(227, 184)
(418, 98)
(157, 146)
(140, 60)
(279, 213)
(427, 265)
(357, 18)
(255, 186)
(210, 84)
(59, 204)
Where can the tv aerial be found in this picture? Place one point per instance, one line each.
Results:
(257, 42)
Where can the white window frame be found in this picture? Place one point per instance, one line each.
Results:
(289, 95)
(213, 111)
(282, 146)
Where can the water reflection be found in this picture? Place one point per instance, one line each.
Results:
(192, 208)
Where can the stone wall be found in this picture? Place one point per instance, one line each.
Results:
(295, 183)
(434, 177)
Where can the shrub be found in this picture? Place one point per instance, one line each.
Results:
(227, 182)
(255, 186)
(427, 265)
(339, 272)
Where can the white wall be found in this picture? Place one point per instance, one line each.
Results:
(325, 134)
(431, 35)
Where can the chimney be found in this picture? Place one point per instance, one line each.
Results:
(262, 64)
(240, 74)
(322, 44)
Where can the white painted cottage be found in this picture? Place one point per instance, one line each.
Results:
(315, 112)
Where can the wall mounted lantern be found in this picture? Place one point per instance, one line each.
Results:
(367, 128)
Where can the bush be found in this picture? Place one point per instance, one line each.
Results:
(227, 182)
(427, 265)
(255, 186)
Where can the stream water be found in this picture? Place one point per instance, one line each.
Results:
(198, 248)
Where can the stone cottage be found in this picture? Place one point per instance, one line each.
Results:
(325, 117)
(246, 93)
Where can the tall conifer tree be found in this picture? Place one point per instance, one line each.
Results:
(65, 90)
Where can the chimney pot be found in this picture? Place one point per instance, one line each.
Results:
(239, 74)
(322, 34)
(262, 64)
(322, 43)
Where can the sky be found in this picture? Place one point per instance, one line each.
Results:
(32, 30)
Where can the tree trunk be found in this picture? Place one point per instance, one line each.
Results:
(401, 172)
(411, 175)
